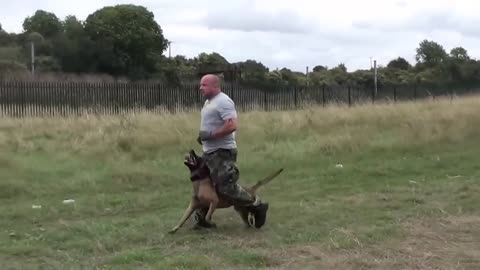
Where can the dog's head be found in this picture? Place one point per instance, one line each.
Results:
(192, 160)
(197, 166)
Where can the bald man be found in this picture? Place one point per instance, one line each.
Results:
(217, 137)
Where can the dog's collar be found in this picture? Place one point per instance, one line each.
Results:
(195, 177)
(200, 173)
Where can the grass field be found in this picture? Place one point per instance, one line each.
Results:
(407, 196)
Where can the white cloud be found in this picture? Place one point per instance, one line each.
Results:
(289, 33)
(245, 16)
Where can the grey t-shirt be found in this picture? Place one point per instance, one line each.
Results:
(214, 112)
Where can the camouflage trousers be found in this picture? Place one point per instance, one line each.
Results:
(225, 174)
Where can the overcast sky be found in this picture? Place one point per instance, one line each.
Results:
(292, 34)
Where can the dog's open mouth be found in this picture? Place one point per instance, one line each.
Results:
(190, 160)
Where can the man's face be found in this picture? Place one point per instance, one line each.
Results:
(208, 87)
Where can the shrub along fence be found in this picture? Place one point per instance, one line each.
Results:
(20, 99)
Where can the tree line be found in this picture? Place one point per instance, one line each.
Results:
(125, 41)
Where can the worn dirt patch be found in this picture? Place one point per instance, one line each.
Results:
(447, 243)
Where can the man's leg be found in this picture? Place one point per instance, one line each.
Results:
(225, 174)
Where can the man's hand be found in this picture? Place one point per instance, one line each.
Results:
(204, 135)
(199, 140)
(229, 126)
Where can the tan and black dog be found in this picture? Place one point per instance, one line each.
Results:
(205, 195)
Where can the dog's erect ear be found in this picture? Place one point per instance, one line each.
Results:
(189, 161)
(192, 152)
(191, 164)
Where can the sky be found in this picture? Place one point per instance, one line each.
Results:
(293, 34)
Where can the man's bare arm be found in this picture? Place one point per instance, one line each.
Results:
(229, 126)
(228, 113)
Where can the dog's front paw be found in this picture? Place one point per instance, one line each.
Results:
(209, 224)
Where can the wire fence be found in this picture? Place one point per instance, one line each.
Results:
(22, 99)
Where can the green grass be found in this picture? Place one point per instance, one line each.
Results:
(404, 166)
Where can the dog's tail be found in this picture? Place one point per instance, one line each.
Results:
(265, 180)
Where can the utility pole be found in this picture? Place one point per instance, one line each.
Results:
(371, 63)
(33, 57)
(170, 49)
(375, 74)
(306, 75)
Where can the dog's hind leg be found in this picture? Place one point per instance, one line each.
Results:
(186, 215)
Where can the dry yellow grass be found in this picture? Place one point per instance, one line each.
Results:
(301, 132)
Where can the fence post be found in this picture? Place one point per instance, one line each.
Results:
(323, 95)
(415, 92)
(395, 94)
(373, 95)
(296, 97)
(232, 90)
(349, 96)
(265, 104)
(22, 98)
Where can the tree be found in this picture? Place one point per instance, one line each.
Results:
(363, 79)
(290, 77)
(72, 27)
(43, 46)
(181, 60)
(253, 71)
(47, 64)
(184, 65)
(430, 53)
(127, 38)
(5, 38)
(276, 78)
(319, 68)
(342, 67)
(253, 66)
(43, 22)
(74, 49)
(399, 63)
(459, 53)
(321, 78)
(338, 75)
(212, 60)
(396, 75)
(470, 71)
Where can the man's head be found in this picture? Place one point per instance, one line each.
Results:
(210, 85)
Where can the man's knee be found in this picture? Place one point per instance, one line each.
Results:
(227, 189)
(226, 174)
(235, 192)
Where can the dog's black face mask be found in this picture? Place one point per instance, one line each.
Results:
(197, 166)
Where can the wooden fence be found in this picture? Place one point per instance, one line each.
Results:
(19, 99)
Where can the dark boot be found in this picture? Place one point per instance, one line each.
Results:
(244, 214)
(259, 213)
